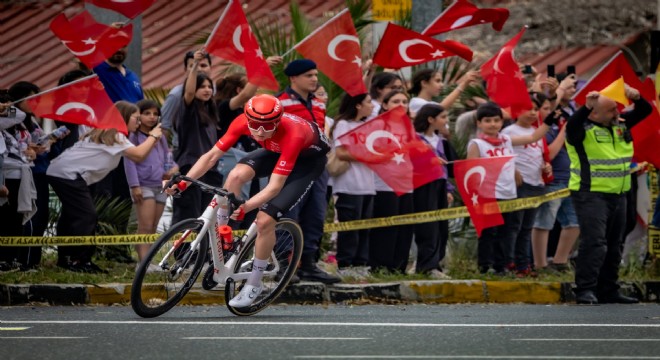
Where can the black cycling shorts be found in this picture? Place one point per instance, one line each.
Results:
(305, 172)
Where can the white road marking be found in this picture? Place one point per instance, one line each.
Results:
(44, 337)
(532, 357)
(614, 340)
(339, 324)
(13, 328)
(270, 338)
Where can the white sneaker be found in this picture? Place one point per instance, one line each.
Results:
(437, 274)
(246, 297)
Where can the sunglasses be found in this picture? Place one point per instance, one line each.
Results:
(255, 125)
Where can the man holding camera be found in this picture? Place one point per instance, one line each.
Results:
(600, 150)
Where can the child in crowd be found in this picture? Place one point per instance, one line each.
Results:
(145, 178)
(495, 245)
(354, 189)
(431, 237)
(530, 165)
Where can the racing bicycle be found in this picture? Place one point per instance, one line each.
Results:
(177, 258)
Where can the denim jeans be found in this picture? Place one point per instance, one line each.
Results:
(522, 222)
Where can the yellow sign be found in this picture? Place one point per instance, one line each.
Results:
(389, 10)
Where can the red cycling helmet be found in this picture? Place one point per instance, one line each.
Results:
(263, 108)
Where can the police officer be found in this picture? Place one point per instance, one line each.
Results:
(600, 152)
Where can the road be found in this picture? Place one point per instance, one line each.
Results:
(482, 331)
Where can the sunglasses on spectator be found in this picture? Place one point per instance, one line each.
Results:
(255, 125)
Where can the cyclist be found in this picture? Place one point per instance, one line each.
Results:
(293, 154)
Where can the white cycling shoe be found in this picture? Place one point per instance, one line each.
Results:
(246, 297)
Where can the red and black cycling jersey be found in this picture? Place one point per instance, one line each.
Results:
(294, 137)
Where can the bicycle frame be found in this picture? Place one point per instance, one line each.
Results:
(223, 269)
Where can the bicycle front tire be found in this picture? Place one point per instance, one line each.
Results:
(287, 250)
(162, 280)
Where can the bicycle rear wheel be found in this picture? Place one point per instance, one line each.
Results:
(287, 252)
(164, 277)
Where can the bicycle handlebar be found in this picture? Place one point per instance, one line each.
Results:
(176, 178)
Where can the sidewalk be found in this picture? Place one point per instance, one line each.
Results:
(431, 292)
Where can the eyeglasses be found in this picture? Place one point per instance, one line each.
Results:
(255, 125)
(321, 94)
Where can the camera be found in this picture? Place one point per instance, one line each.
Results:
(9, 112)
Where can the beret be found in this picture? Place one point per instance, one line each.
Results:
(299, 66)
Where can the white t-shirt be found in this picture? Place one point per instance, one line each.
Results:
(416, 103)
(505, 188)
(90, 160)
(376, 109)
(358, 179)
(529, 158)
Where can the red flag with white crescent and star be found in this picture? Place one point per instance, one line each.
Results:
(505, 83)
(233, 40)
(389, 146)
(335, 48)
(462, 14)
(401, 47)
(88, 40)
(129, 8)
(646, 134)
(476, 180)
(82, 102)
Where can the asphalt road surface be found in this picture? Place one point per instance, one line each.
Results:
(483, 331)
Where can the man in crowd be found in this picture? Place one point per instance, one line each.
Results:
(298, 99)
(600, 150)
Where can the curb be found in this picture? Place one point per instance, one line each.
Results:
(430, 292)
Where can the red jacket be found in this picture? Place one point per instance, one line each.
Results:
(310, 109)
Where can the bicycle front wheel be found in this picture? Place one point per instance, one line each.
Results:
(169, 270)
(285, 257)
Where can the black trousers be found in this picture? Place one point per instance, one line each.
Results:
(602, 219)
(353, 246)
(522, 222)
(77, 218)
(430, 237)
(495, 245)
(389, 246)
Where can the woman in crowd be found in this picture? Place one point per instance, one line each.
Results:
(198, 128)
(389, 246)
(354, 189)
(145, 178)
(381, 84)
(427, 86)
(84, 164)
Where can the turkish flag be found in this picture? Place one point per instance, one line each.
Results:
(462, 14)
(646, 134)
(476, 180)
(233, 40)
(129, 8)
(89, 41)
(82, 102)
(389, 146)
(505, 84)
(401, 47)
(615, 68)
(335, 47)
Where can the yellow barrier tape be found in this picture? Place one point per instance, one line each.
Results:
(407, 219)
